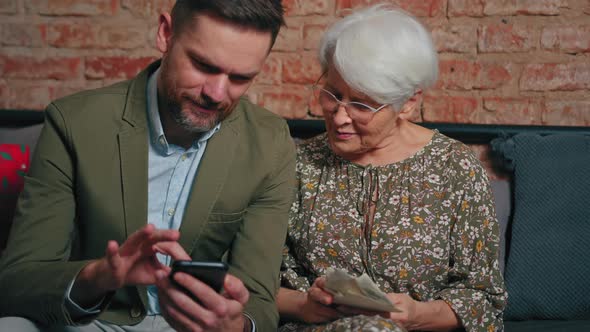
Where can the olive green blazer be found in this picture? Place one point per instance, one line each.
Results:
(88, 184)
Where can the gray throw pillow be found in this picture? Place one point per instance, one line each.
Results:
(548, 261)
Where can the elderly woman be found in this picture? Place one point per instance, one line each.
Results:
(380, 195)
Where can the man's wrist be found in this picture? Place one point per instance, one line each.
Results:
(87, 288)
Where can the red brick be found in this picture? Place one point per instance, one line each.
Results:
(313, 32)
(74, 35)
(315, 111)
(115, 67)
(72, 7)
(518, 111)
(29, 95)
(567, 113)
(3, 94)
(466, 8)
(308, 7)
(97, 35)
(493, 75)
(289, 101)
(526, 7)
(271, 70)
(467, 75)
(8, 6)
(455, 38)
(423, 8)
(150, 9)
(289, 38)
(453, 109)
(60, 68)
(23, 34)
(289, 6)
(301, 68)
(553, 76)
(506, 38)
(571, 39)
(458, 74)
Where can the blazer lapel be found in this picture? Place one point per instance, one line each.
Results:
(134, 177)
(209, 181)
(133, 153)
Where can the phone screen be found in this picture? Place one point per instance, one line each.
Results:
(211, 273)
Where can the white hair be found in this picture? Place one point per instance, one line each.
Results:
(382, 52)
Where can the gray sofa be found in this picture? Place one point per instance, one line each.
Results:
(544, 303)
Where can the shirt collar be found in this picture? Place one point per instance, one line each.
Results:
(158, 138)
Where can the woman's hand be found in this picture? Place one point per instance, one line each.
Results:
(408, 316)
(434, 315)
(312, 306)
(315, 305)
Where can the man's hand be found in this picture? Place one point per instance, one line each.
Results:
(132, 263)
(211, 311)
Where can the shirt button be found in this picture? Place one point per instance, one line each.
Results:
(171, 212)
(184, 156)
(135, 312)
(162, 141)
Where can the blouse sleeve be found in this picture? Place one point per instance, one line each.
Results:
(476, 290)
(293, 274)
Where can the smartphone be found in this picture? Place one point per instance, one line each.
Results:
(211, 273)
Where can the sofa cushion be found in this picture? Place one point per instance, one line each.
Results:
(548, 326)
(14, 164)
(547, 264)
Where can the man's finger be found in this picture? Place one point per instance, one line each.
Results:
(172, 248)
(209, 298)
(140, 235)
(160, 235)
(112, 254)
(235, 289)
(186, 309)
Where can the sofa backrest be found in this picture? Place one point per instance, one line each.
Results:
(503, 202)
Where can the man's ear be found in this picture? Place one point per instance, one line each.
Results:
(411, 105)
(164, 35)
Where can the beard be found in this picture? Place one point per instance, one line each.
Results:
(186, 109)
(187, 115)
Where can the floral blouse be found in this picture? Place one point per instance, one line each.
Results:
(424, 226)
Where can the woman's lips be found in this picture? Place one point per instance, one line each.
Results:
(344, 135)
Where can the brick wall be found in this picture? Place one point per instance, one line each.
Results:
(502, 61)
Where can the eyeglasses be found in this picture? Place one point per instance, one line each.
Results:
(356, 111)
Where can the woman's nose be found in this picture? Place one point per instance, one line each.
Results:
(340, 115)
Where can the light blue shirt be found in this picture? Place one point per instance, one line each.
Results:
(171, 171)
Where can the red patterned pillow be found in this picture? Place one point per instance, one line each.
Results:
(14, 164)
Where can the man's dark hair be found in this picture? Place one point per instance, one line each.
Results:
(261, 15)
